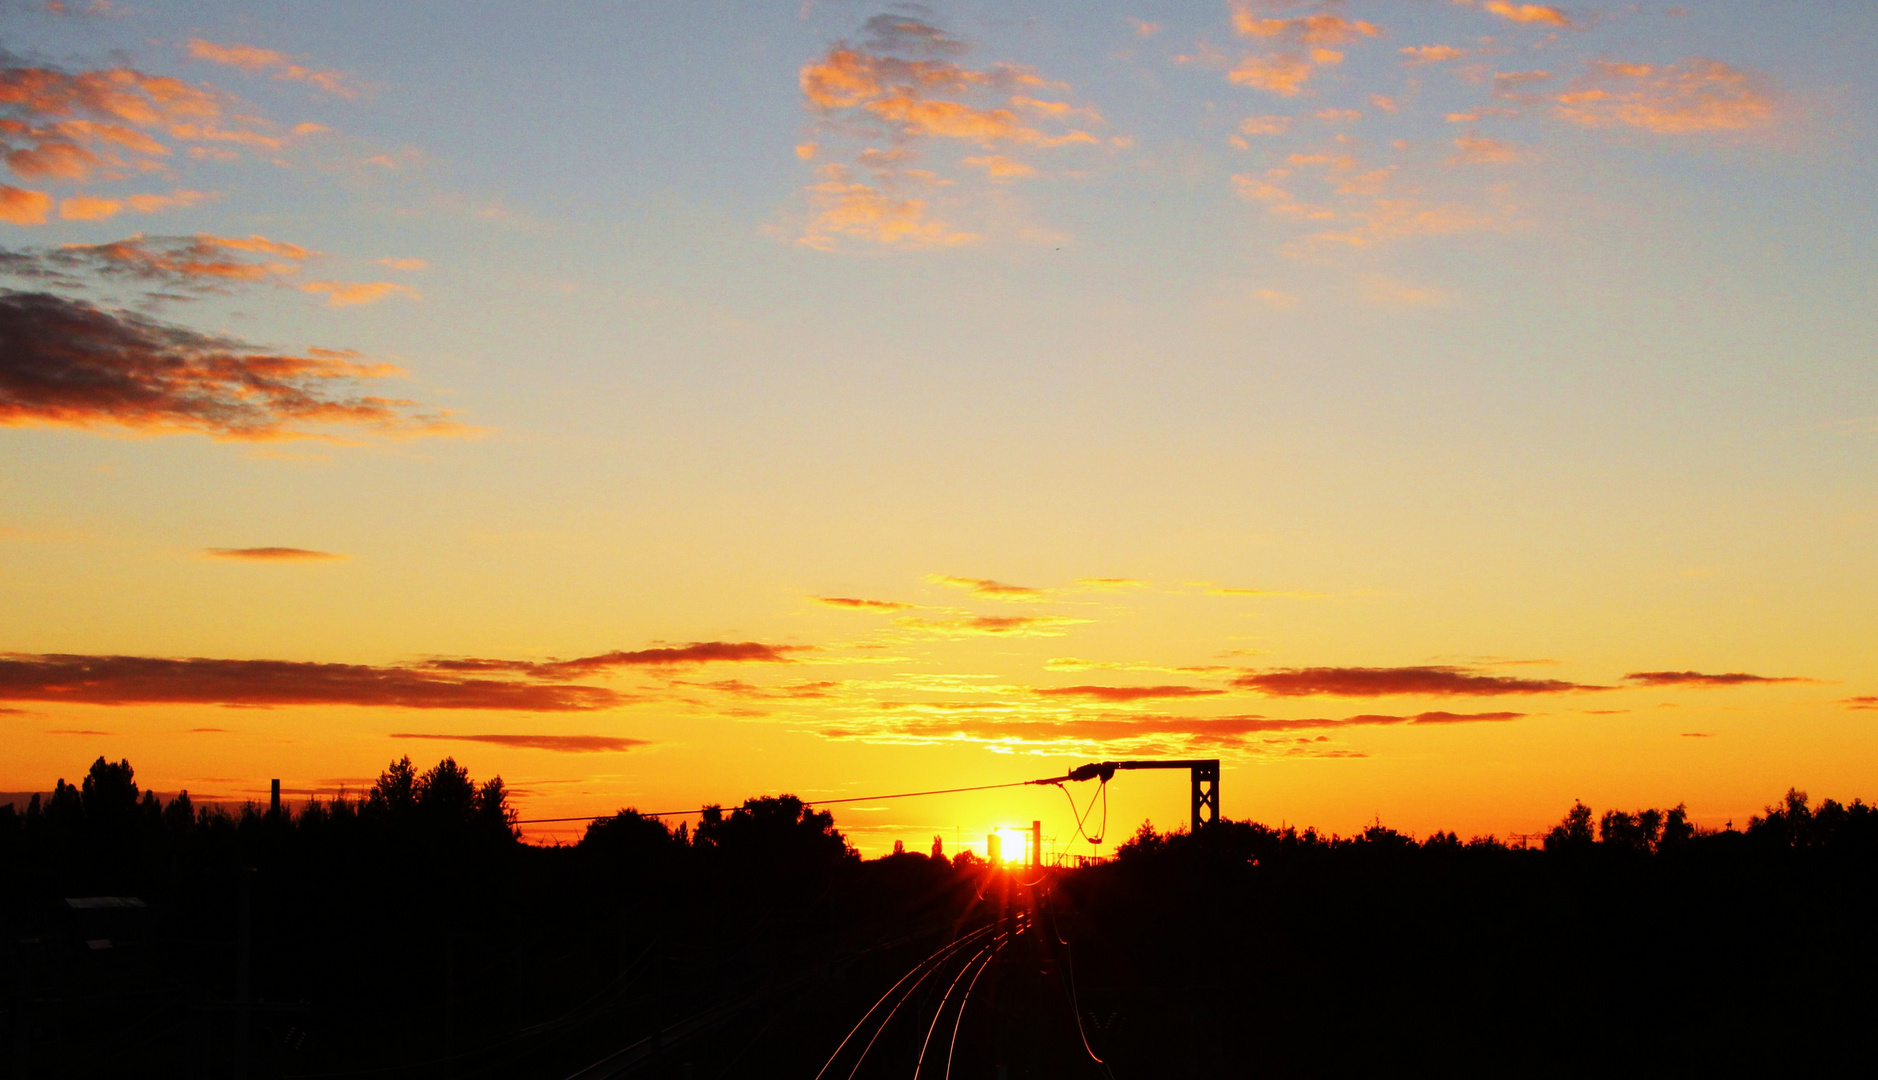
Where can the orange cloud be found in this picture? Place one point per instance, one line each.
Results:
(21, 207)
(999, 167)
(70, 364)
(1127, 693)
(1528, 13)
(563, 744)
(1472, 149)
(199, 263)
(68, 126)
(1316, 30)
(273, 554)
(402, 264)
(122, 94)
(256, 243)
(698, 652)
(349, 293)
(92, 208)
(1286, 73)
(1281, 74)
(1690, 96)
(985, 587)
(1862, 702)
(251, 58)
(142, 680)
(866, 212)
(901, 88)
(1265, 125)
(1162, 733)
(1381, 682)
(991, 626)
(853, 604)
(56, 160)
(1696, 678)
(1431, 54)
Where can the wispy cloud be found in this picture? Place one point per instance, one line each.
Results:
(897, 94)
(1695, 95)
(142, 680)
(1146, 734)
(1306, 42)
(564, 744)
(1864, 701)
(698, 652)
(852, 603)
(273, 554)
(1431, 681)
(990, 626)
(1110, 584)
(1527, 13)
(1127, 693)
(279, 65)
(1229, 590)
(199, 264)
(987, 588)
(1697, 678)
(68, 363)
(59, 126)
(1432, 54)
(1476, 149)
(349, 293)
(100, 208)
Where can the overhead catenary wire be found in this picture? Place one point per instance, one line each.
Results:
(805, 802)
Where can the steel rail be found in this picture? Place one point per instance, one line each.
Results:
(941, 1010)
(959, 1020)
(883, 998)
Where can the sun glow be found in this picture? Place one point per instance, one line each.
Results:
(1013, 846)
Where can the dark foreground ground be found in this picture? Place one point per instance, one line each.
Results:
(410, 935)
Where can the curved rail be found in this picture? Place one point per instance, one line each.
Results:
(936, 955)
(941, 1010)
(959, 1020)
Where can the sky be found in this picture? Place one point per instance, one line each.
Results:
(1436, 410)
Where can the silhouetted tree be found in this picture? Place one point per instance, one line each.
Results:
(629, 837)
(493, 812)
(395, 792)
(66, 808)
(445, 793)
(1574, 831)
(1634, 832)
(109, 793)
(1676, 829)
(777, 831)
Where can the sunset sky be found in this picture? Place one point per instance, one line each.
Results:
(1438, 411)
